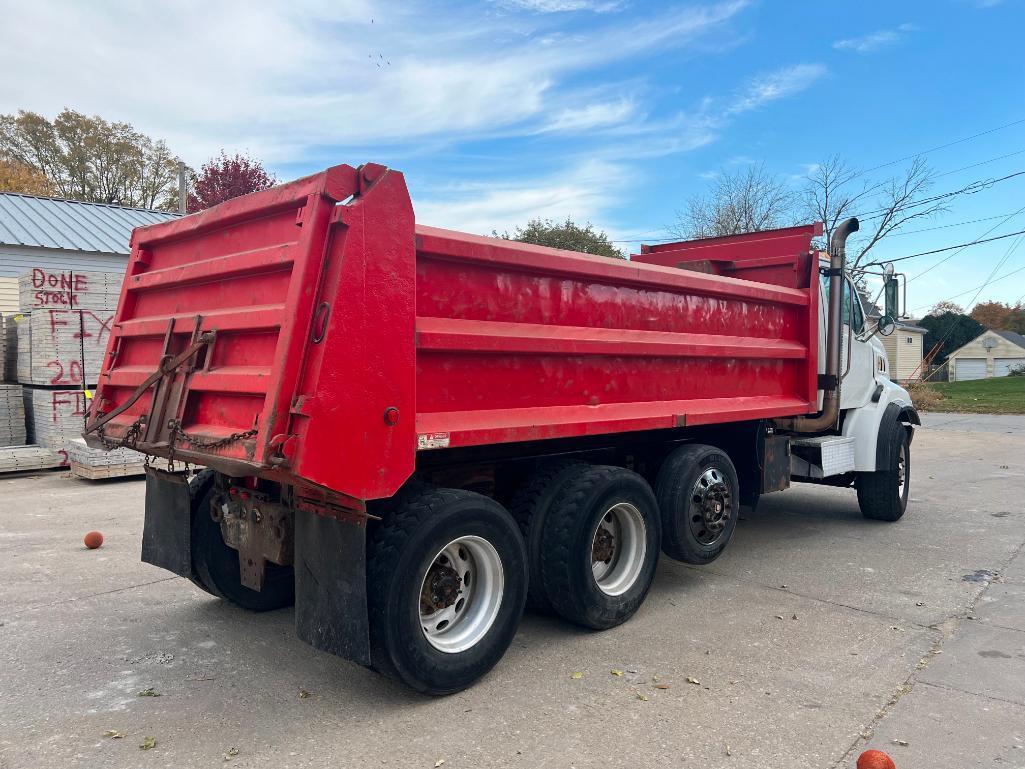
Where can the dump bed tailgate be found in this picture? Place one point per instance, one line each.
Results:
(216, 349)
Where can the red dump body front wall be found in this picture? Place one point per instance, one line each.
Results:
(347, 338)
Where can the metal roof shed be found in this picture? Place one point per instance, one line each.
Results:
(57, 234)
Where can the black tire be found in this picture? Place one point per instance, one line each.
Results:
(216, 566)
(529, 507)
(699, 501)
(199, 487)
(881, 496)
(585, 501)
(415, 527)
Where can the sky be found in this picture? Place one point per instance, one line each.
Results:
(612, 112)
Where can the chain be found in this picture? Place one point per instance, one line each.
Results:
(134, 432)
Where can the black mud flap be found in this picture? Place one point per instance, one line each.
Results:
(167, 532)
(331, 586)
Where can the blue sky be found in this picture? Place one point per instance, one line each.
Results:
(608, 111)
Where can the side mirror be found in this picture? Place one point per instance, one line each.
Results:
(891, 291)
(886, 324)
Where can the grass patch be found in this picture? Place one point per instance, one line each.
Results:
(1002, 395)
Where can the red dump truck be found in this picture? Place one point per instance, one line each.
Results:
(411, 432)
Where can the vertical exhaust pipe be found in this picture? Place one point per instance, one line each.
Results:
(827, 418)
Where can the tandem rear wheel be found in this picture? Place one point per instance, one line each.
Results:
(446, 586)
(215, 565)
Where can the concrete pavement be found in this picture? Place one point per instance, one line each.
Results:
(816, 635)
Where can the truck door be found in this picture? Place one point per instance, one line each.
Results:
(857, 358)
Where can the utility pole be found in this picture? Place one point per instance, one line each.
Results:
(183, 187)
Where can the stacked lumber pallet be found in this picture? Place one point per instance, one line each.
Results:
(93, 464)
(5, 368)
(56, 343)
(69, 290)
(12, 415)
(21, 459)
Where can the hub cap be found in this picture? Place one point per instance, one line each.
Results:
(712, 506)
(617, 548)
(461, 593)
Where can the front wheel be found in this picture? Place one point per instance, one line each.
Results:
(446, 585)
(883, 495)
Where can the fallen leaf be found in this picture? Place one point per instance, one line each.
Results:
(794, 617)
(661, 686)
(902, 743)
(148, 743)
(114, 734)
(303, 694)
(779, 616)
(694, 681)
(230, 753)
(576, 676)
(642, 697)
(617, 673)
(150, 692)
(728, 751)
(438, 763)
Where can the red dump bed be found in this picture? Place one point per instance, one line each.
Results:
(313, 334)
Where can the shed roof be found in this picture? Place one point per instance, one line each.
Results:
(71, 225)
(1011, 336)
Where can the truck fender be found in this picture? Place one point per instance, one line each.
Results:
(866, 423)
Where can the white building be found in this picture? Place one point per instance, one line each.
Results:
(60, 235)
(991, 354)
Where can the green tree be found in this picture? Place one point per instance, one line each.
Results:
(954, 330)
(91, 159)
(568, 236)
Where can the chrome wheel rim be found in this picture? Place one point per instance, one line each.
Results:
(712, 506)
(902, 474)
(618, 546)
(461, 593)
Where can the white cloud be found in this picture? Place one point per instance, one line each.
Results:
(288, 81)
(772, 86)
(591, 116)
(880, 39)
(562, 6)
(586, 192)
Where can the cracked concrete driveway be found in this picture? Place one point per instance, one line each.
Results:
(816, 635)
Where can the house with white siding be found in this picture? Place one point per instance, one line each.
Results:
(904, 351)
(58, 235)
(992, 353)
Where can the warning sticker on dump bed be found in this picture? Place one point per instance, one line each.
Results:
(432, 441)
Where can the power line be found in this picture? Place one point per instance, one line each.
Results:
(1003, 259)
(948, 226)
(939, 147)
(969, 189)
(987, 232)
(974, 288)
(980, 163)
(947, 248)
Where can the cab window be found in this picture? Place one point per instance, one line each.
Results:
(851, 304)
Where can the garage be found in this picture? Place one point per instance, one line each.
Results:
(969, 368)
(1003, 366)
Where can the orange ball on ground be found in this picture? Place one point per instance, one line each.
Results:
(93, 540)
(875, 759)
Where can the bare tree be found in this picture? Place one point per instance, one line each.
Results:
(835, 191)
(747, 200)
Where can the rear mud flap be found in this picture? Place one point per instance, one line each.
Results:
(167, 532)
(331, 586)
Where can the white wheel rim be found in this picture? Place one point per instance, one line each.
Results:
(461, 593)
(902, 473)
(618, 547)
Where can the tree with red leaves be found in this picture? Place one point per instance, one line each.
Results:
(223, 178)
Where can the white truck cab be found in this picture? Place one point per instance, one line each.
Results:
(870, 445)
